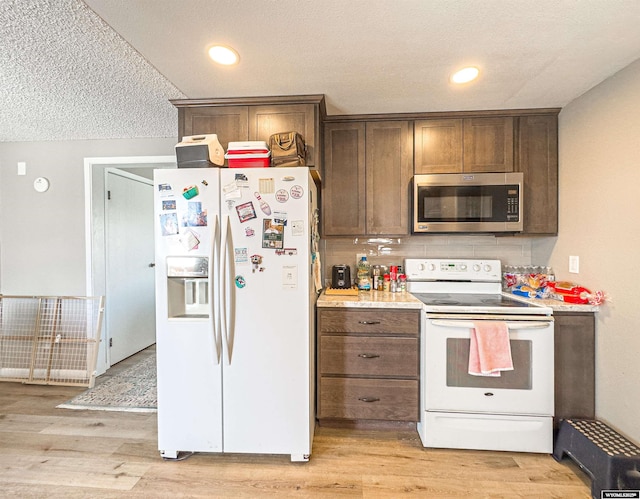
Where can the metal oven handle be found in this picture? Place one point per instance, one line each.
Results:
(511, 325)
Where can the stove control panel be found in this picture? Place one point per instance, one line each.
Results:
(439, 269)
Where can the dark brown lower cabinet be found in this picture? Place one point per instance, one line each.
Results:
(574, 365)
(368, 365)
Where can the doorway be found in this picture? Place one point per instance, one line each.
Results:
(130, 283)
(99, 174)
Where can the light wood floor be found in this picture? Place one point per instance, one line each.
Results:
(49, 452)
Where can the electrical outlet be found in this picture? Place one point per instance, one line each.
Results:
(22, 168)
(574, 264)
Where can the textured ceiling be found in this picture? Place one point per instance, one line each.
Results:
(67, 72)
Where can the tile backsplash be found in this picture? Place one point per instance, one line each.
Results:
(511, 250)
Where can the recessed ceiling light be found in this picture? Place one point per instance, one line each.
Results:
(223, 55)
(465, 75)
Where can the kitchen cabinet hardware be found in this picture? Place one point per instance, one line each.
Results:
(350, 371)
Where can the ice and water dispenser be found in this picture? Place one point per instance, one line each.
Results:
(188, 287)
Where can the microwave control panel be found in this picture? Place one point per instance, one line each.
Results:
(513, 203)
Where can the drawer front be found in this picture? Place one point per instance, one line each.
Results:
(369, 356)
(381, 399)
(369, 321)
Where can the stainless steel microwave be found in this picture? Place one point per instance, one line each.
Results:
(467, 202)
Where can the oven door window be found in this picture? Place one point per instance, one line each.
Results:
(474, 203)
(458, 366)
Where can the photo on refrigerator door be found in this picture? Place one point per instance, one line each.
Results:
(195, 216)
(272, 234)
(169, 224)
(246, 212)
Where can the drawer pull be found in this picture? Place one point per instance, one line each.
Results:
(369, 399)
(368, 323)
(368, 355)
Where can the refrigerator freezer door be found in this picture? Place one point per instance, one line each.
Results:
(267, 386)
(189, 362)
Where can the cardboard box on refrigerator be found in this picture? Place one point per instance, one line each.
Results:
(199, 151)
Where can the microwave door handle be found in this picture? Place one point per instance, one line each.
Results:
(511, 325)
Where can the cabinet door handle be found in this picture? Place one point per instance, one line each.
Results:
(368, 355)
(369, 399)
(368, 322)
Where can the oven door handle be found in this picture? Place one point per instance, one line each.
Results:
(511, 325)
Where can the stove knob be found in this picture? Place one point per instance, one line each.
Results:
(432, 267)
(487, 268)
(421, 266)
(463, 267)
(476, 268)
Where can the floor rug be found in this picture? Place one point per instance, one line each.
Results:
(132, 390)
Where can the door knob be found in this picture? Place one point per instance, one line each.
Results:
(152, 264)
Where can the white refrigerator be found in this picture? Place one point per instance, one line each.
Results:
(237, 270)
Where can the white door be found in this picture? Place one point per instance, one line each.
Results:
(130, 278)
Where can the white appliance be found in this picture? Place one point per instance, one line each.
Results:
(235, 299)
(512, 412)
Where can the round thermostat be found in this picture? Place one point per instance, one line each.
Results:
(41, 184)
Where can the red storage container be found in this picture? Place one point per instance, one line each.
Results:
(248, 154)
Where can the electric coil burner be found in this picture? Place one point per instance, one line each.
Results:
(513, 411)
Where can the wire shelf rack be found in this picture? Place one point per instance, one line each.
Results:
(50, 340)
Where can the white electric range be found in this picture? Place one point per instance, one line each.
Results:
(513, 411)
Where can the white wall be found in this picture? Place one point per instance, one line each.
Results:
(600, 222)
(42, 240)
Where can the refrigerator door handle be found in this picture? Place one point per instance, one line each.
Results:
(214, 287)
(228, 290)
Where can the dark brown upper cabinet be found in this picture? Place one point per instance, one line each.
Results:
(255, 118)
(457, 145)
(367, 175)
(538, 161)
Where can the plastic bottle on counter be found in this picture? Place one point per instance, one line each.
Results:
(364, 275)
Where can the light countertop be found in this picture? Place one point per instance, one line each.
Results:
(370, 299)
(560, 306)
(381, 299)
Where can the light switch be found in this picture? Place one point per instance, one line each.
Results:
(22, 168)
